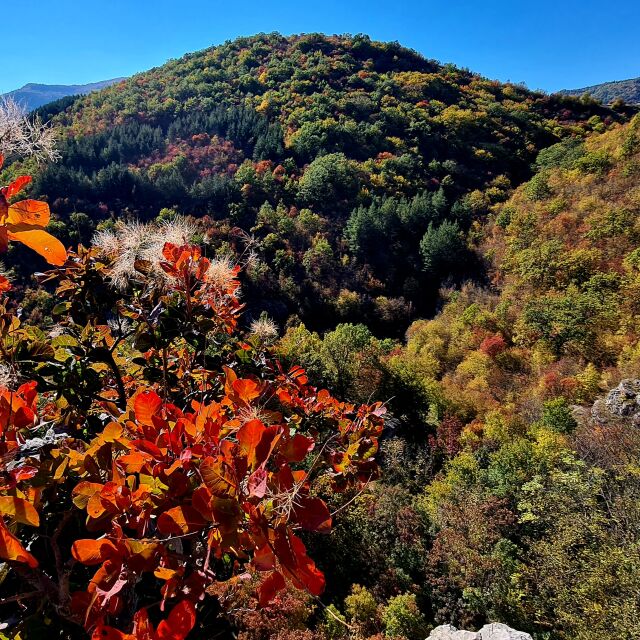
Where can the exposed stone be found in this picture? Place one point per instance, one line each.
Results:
(498, 631)
(624, 400)
(449, 632)
(493, 631)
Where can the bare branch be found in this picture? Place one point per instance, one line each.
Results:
(23, 136)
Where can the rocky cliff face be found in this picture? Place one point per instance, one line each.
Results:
(494, 631)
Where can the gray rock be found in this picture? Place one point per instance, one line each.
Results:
(624, 400)
(499, 631)
(449, 632)
(494, 631)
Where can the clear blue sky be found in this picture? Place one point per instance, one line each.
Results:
(547, 44)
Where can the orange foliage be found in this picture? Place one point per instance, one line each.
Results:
(214, 469)
(24, 222)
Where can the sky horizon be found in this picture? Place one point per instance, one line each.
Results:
(547, 45)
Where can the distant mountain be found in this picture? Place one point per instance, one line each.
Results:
(32, 95)
(607, 92)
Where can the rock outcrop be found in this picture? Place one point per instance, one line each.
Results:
(622, 401)
(493, 631)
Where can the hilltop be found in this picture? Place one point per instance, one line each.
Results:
(351, 171)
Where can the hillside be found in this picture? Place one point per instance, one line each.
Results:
(608, 92)
(349, 170)
(514, 455)
(34, 95)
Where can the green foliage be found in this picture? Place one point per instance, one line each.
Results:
(360, 606)
(402, 617)
(597, 162)
(442, 248)
(538, 187)
(563, 154)
(556, 415)
(328, 180)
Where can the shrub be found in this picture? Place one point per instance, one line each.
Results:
(401, 617)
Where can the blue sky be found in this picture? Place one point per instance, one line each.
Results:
(547, 44)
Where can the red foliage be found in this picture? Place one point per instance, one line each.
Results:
(447, 437)
(493, 345)
(181, 477)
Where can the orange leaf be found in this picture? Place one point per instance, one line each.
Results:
(103, 632)
(20, 510)
(249, 436)
(50, 248)
(33, 212)
(217, 478)
(83, 492)
(180, 520)
(179, 623)
(11, 548)
(92, 552)
(146, 405)
(246, 389)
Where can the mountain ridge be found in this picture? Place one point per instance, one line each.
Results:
(34, 94)
(607, 92)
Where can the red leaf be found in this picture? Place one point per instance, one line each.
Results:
(313, 515)
(263, 559)
(296, 449)
(16, 186)
(146, 405)
(269, 588)
(179, 623)
(293, 557)
(5, 285)
(267, 443)
(142, 627)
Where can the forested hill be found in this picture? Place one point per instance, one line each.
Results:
(350, 171)
(608, 92)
